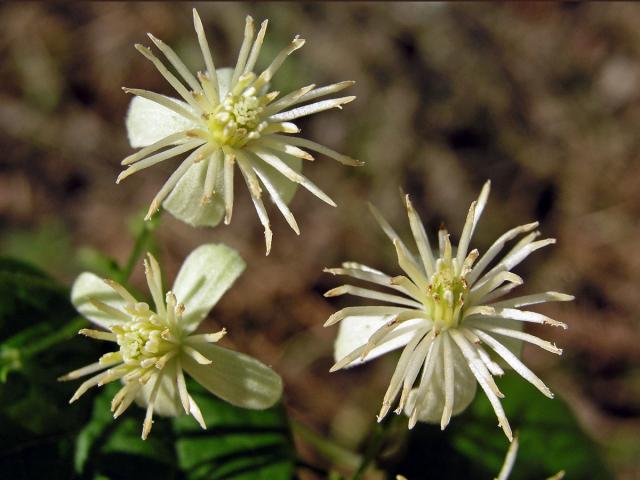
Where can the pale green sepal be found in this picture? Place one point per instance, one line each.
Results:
(185, 200)
(147, 121)
(236, 378)
(355, 331)
(89, 286)
(205, 275)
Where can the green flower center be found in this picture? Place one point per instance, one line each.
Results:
(236, 120)
(447, 292)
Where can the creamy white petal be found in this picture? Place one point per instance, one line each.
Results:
(206, 51)
(256, 47)
(176, 62)
(310, 109)
(251, 179)
(170, 184)
(509, 460)
(513, 361)
(372, 294)
(206, 274)
(513, 344)
(465, 237)
(523, 316)
(484, 378)
(147, 121)
(285, 187)
(236, 378)
(367, 311)
(275, 160)
(397, 378)
(243, 54)
(519, 335)
(393, 236)
(409, 266)
(481, 203)
(277, 199)
(449, 380)
(497, 246)
(424, 359)
(362, 272)
(325, 90)
(421, 238)
(533, 299)
(177, 85)
(89, 286)
(316, 147)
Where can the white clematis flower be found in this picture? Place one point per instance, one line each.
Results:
(157, 346)
(444, 310)
(226, 117)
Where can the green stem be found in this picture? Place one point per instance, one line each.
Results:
(63, 334)
(374, 448)
(141, 244)
(143, 239)
(328, 449)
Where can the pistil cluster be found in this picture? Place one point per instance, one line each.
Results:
(236, 120)
(447, 291)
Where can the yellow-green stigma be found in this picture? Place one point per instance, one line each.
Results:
(446, 293)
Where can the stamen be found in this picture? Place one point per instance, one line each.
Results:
(196, 355)
(98, 335)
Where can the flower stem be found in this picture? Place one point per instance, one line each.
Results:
(63, 334)
(143, 239)
(374, 448)
(328, 449)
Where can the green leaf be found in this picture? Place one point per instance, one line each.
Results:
(473, 447)
(113, 448)
(35, 246)
(38, 426)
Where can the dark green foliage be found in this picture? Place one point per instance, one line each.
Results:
(37, 326)
(474, 447)
(238, 443)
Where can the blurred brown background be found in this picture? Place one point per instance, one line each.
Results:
(543, 99)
